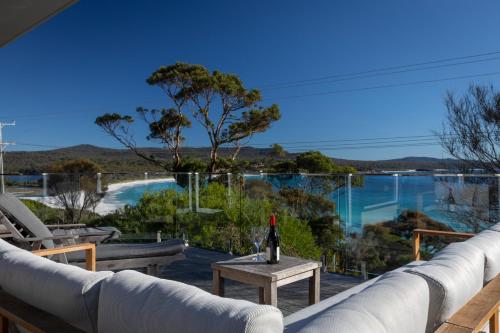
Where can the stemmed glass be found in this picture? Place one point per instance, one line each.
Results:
(258, 235)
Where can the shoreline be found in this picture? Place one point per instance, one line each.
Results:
(109, 203)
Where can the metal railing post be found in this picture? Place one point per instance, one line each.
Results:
(45, 184)
(99, 183)
(190, 191)
(229, 198)
(197, 190)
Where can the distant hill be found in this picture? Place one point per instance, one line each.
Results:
(123, 160)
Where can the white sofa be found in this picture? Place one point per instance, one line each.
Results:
(415, 298)
(127, 301)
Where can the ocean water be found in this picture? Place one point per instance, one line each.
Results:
(132, 194)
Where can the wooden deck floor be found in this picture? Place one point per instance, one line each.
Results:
(196, 271)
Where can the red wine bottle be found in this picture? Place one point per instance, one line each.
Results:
(273, 243)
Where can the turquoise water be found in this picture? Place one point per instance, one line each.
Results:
(379, 198)
(131, 195)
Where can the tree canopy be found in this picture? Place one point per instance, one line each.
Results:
(229, 112)
(165, 125)
(312, 162)
(471, 131)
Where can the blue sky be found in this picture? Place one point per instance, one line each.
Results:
(94, 58)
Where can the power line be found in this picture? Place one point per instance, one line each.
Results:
(323, 81)
(44, 115)
(351, 140)
(38, 145)
(360, 144)
(403, 84)
(383, 69)
(370, 147)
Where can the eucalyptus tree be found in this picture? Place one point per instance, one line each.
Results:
(165, 125)
(229, 112)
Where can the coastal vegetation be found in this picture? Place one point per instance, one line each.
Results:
(387, 245)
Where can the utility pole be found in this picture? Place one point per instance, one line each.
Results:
(3, 145)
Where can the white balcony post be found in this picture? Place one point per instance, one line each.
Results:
(145, 176)
(396, 187)
(349, 204)
(197, 190)
(99, 183)
(190, 191)
(229, 198)
(460, 188)
(45, 184)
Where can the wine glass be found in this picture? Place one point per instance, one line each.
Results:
(258, 235)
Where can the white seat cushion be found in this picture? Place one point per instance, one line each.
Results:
(301, 318)
(397, 302)
(454, 276)
(134, 302)
(68, 292)
(489, 242)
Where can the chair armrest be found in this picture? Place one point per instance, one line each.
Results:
(418, 233)
(66, 226)
(89, 248)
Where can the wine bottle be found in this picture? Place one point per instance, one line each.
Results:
(273, 243)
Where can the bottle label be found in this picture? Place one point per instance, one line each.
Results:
(268, 253)
(278, 253)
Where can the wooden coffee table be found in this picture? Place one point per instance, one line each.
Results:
(267, 277)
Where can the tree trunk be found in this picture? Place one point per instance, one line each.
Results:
(213, 160)
(177, 159)
(236, 152)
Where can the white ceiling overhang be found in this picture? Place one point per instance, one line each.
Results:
(20, 16)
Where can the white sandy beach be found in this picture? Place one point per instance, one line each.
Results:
(109, 203)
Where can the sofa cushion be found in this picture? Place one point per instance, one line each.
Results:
(68, 292)
(134, 302)
(454, 276)
(495, 227)
(301, 318)
(488, 241)
(397, 302)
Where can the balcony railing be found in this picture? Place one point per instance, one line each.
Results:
(354, 222)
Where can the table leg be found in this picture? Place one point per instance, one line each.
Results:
(314, 287)
(271, 294)
(218, 283)
(494, 323)
(261, 296)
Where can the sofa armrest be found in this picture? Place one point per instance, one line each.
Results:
(418, 233)
(89, 249)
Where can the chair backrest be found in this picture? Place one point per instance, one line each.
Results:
(396, 302)
(454, 276)
(130, 301)
(22, 219)
(67, 292)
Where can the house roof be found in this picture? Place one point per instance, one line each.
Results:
(20, 16)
